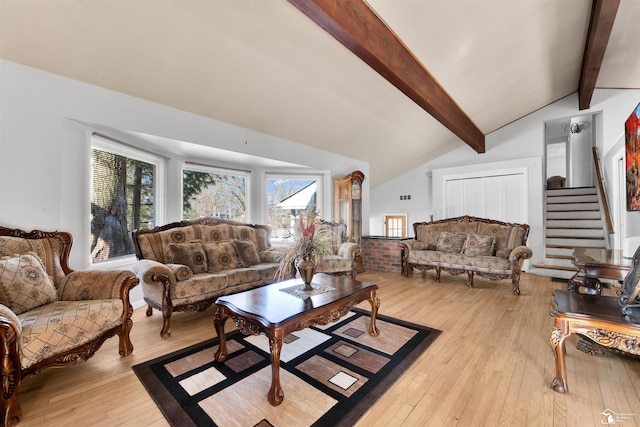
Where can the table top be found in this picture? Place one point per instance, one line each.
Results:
(572, 305)
(600, 256)
(271, 306)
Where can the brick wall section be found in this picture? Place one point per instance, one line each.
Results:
(381, 254)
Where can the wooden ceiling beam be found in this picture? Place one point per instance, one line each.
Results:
(360, 30)
(603, 14)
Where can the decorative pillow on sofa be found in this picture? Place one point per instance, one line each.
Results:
(190, 254)
(24, 284)
(503, 253)
(479, 245)
(221, 256)
(247, 252)
(450, 242)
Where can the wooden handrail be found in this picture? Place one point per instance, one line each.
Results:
(603, 195)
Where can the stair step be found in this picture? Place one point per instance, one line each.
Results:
(575, 233)
(575, 223)
(579, 198)
(572, 215)
(562, 207)
(555, 267)
(575, 241)
(569, 257)
(571, 191)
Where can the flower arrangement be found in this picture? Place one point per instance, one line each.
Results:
(310, 242)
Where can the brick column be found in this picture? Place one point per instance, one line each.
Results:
(381, 253)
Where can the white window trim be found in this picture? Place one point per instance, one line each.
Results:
(123, 149)
(406, 221)
(220, 171)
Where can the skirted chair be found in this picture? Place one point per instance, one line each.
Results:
(342, 260)
(51, 315)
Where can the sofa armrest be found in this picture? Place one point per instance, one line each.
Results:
(520, 253)
(9, 317)
(407, 245)
(149, 271)
(349, 250)
(96, 284)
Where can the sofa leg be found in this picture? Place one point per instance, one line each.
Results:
(11, 411)
(470, 282)
(438, 271)
(149, 310)
(516, 288)
(166, 324)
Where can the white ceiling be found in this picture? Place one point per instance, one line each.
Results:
(263, 65)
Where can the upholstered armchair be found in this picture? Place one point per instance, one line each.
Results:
(342, 260)
(51, 315)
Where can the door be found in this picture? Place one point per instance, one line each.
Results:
(395, 225)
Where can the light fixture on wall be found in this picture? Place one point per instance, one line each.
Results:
(575, 128)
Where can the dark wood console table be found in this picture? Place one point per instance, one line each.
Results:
(595, 263)
(598, 318)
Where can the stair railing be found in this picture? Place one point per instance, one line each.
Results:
(603, 195)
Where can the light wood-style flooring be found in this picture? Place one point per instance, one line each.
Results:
(491, 366)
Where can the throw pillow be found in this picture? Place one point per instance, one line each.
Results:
(450, 242)
(190, 254)
(479, 245)
(221, 256)
(503, 253)
(247, 252)
(24, 284)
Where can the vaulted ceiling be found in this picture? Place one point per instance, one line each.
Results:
(266, 66)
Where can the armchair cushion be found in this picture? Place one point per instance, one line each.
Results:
(63, 325)
(24, 285)
(190, 254)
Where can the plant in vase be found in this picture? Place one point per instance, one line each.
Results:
(310, 243)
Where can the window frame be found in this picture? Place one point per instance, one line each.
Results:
(121, 148)
(196, 167)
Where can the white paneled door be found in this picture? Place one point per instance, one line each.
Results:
(501, 197)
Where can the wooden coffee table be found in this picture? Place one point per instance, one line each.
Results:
(272, 312)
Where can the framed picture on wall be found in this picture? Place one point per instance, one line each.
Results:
(632, 159)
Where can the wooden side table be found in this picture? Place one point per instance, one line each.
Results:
(598, 318)
(595, 263)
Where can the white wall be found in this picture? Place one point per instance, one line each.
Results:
(44, 151)
(522, 139)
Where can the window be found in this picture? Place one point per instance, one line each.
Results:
(395, 225)
(220, 193)
(123, 197)
(287, 196)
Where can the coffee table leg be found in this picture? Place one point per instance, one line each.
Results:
(558, 335)
(375, 304)
(219, 320)
(275, 396)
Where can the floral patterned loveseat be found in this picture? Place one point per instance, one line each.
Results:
(491, 249)
(187, 265)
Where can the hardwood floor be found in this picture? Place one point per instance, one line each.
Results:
(492, 365)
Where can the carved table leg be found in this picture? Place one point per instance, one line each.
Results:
(375, 304)
(558, 336)
(219, 319)
(275, 396)
(573, 285)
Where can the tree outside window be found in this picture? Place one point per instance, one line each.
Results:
(215, 194)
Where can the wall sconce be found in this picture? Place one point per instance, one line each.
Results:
(575, 128)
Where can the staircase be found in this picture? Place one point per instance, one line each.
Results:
(573, 220)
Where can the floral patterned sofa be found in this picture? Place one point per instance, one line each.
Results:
(491, 249)
(51, 315)
(187, 265)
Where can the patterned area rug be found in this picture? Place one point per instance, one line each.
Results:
(330, 375)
